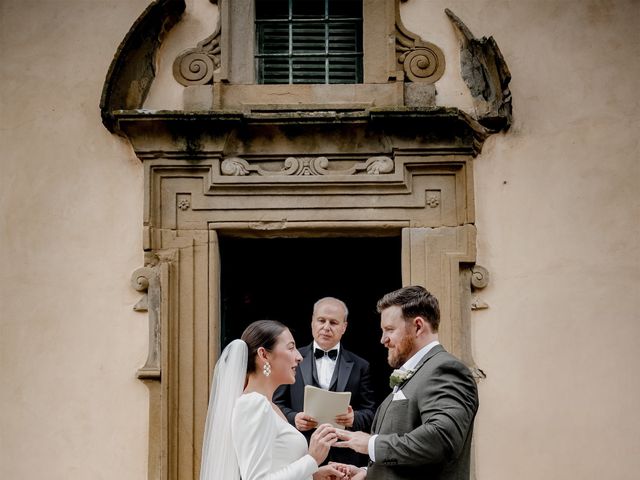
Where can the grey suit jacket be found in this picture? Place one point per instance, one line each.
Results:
(427, 436)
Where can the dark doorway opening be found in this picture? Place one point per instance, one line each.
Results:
(281, 279)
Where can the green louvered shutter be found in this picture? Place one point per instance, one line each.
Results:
(309, 41)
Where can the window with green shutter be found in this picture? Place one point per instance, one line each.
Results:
(309, 41)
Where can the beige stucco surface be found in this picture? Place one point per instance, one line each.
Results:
(71, 203)
(558, 217)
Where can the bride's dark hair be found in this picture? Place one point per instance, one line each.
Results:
(262, 333)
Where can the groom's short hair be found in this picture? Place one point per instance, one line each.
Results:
(414, 301)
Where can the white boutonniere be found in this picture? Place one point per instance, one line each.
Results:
(399, 376)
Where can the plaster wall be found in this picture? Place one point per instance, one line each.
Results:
(70, 236)
(558, 216)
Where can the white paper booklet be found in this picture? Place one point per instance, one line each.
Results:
(324, 405)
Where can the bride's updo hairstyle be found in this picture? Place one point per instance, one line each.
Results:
(262, 333)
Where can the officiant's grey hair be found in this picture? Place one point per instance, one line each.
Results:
(333, 300)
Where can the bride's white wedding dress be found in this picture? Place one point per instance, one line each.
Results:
(266, 445)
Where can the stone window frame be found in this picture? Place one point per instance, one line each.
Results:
(237, 42)
(399, 67)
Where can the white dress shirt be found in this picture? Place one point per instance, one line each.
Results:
(325, 366)
(408, 365)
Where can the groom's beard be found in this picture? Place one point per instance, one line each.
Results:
(401, 352)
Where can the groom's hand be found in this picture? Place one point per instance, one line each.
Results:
(352, 472)
(356, 441)
(305, 422)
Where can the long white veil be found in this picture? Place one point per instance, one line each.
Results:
(218, 456)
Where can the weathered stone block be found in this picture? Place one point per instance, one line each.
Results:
(198, 98)
(419, 95)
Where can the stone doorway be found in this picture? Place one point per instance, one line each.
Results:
(281, 278)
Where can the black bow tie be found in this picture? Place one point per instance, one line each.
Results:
(319, 353)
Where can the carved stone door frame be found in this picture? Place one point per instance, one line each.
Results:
(366, 174)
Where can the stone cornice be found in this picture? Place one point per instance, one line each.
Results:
(192, 132)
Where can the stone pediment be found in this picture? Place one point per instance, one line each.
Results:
(399, 75)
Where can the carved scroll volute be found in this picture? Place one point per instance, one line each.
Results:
(147, 280)
(196, 66)
(474, 278)
(422, 61)
(479, 279)
(234, 166)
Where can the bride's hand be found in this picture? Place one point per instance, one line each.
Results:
(321, 441)
(331, 472)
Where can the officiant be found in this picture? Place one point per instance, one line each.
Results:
(327, 364)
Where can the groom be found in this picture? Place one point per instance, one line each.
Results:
(327, 364)
(422, 431)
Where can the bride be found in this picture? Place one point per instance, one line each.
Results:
(246, 436)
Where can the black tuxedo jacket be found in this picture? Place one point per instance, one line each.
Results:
(350, 375)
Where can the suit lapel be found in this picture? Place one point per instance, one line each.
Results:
(380, 413)
(382, 410)
(430, 354)
(306, 366)
(342, 371)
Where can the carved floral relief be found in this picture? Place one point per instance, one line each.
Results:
(307, 166)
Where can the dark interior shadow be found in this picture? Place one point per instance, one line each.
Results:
(281, 278)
